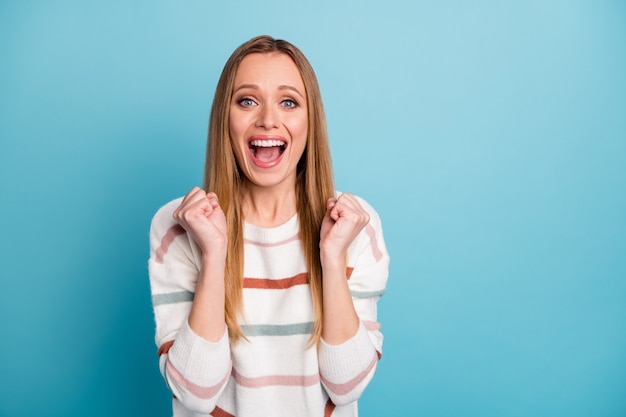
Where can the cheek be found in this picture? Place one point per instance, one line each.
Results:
(237, 132)
(300, 144)
(300, 127)
(233, 130)
(301, 140)
(238, 122)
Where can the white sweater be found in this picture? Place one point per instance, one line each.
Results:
(273, 373)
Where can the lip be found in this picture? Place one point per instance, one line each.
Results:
(263, 164)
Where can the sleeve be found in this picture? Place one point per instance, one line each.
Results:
(195, 370)
(346, 369)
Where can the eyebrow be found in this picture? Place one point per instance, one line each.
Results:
(280, 87)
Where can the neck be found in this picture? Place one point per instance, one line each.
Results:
(267, 207)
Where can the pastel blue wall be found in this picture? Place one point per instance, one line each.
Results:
(490, 136)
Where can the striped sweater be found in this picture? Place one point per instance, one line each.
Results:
(272, 373)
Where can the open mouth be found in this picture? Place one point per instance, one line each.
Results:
(267, 150)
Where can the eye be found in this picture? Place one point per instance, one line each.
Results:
(289, 104)
(246, 102)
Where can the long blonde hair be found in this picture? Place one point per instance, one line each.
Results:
(314, 183)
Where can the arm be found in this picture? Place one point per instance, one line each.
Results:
(186, 279)
(351, 341)
(201, 216)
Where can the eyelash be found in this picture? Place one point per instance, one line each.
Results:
(293, 103)
(244, 99)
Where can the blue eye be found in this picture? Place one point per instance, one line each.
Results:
(246, 102)
(290, 104)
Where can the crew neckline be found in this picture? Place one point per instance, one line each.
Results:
(274, 234)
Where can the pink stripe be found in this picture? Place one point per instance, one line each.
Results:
(371, 325)
(273, 380)
(271, 245)
(167, 240)
(343, 389)
(197, 390)
(378, 254)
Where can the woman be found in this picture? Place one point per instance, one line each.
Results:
(265, 285)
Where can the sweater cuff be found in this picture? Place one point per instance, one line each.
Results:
(198, 359)
(340, 363)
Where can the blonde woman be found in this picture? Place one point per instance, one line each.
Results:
(265, 283)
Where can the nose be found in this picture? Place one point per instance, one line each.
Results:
(268, 117)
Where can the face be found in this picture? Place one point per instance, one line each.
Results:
(268, 119)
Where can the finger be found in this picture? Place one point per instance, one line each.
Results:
(331, 208)
(349, 200)
(344, 204)
(192, 195)
(194, 200)
(348, 206)
(330, 203)
(213, 199)
(201, 205)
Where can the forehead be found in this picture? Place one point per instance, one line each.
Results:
(268, 68)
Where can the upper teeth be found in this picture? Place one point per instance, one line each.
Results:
(267, 143)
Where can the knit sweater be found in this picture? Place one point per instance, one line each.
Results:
(273, 372)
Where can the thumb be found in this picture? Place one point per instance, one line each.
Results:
(331, 212)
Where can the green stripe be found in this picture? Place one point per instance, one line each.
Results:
(187, 296)
(277, 330)
(367, 294)
(172, 298)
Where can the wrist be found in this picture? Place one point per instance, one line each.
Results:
(214, 260)
(333, 262)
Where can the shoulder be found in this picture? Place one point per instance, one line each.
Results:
(167, 210)
(164, 217)
(374, 217)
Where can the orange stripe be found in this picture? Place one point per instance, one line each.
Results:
(165, 347)
(349, 272)
(276, 284)
(329, 408)
(167, 240)
(218, 412)
(282, 284)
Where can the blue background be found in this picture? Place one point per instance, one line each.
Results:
(490, 136)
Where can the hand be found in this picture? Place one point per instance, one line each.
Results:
(202, 217)
(343, 221)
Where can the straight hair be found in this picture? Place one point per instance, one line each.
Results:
(314, 184)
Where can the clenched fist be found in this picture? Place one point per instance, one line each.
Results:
(343, 221)
(202, 217)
